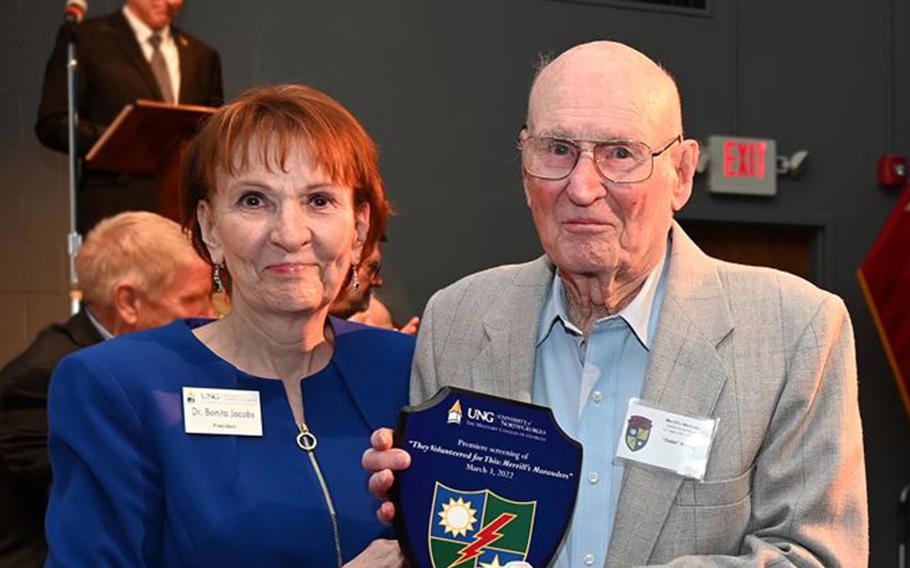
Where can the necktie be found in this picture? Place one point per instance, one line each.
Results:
(159, 68)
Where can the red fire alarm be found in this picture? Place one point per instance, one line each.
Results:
(892, 170)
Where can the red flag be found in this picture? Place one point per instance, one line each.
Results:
(885, 279)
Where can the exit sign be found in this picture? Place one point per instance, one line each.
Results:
(746, 166)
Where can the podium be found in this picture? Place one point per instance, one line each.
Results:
(150, 138)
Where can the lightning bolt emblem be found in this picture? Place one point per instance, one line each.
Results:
(485, 537)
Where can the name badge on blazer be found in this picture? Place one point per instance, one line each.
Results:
(666, 440)
(221, 411)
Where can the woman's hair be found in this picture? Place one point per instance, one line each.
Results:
(275, 120)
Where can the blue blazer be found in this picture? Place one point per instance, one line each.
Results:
(133, 489)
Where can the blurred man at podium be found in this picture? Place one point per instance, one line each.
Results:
(134, 53)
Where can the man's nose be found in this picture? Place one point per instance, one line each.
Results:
(585, 184)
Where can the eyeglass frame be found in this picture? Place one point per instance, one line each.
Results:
(576, 144)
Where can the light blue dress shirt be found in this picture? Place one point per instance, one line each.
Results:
(588, 384)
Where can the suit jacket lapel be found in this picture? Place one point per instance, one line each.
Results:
(511, 331)
(685, 375)
(82, 331)
(124, 35)
(187, 64)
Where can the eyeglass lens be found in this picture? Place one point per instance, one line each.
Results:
(620, 161)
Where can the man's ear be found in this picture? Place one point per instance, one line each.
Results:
(210, 236)
(126, 307)
(522, 136)
(687, 160)
(361, 230)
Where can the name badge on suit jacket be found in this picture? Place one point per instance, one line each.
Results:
(228, 412)
(675, 442)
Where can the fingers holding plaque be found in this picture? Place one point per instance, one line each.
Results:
(491, 481)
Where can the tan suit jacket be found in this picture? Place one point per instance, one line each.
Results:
(768, 354)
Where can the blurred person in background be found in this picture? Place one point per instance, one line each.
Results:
(136, 270)
(133, 53)
(362, 305)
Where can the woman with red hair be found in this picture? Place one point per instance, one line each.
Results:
(237, 442)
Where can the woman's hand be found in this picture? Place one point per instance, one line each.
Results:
(382, 553)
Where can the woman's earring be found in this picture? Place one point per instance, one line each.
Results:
(355, 282)
(216, 279)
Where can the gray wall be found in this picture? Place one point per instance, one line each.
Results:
(442, 86)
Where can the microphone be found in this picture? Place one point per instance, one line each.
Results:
(74, 12)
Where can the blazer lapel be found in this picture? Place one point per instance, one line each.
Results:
(511, 329)
(124, 36)
(187, 64)
(354, 361)
(685, 375)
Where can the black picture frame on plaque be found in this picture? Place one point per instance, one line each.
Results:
(491, 481)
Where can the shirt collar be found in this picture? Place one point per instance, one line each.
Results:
(101, 329)
(141, 29)
(637, 314)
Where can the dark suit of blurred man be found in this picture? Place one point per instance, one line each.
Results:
(134, 53)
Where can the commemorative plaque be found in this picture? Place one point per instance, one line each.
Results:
(492, 481)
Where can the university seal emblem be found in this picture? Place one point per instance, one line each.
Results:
(638, 432)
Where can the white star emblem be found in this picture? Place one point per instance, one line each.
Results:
(494, 564)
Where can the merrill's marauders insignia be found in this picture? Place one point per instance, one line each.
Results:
(638, 432)
(476, 529)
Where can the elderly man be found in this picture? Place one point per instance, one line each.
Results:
(137, 270)
(133, 53)
(625, 305)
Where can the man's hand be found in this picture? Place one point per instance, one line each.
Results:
(411, 327)
(381, 553)
(382, 460)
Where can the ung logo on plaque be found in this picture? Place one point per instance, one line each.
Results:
(498, 488)
(455, 413)
(485, 415)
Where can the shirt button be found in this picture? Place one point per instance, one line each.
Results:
(588, 559)
(597, 396)
(593, 477)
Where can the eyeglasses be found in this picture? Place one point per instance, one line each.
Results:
(618, 161)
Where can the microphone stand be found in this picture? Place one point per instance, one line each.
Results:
(74, 239)
(904, 538)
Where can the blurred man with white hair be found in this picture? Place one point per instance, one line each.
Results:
(137, 270)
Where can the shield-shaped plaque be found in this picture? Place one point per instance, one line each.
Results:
(491, 481)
